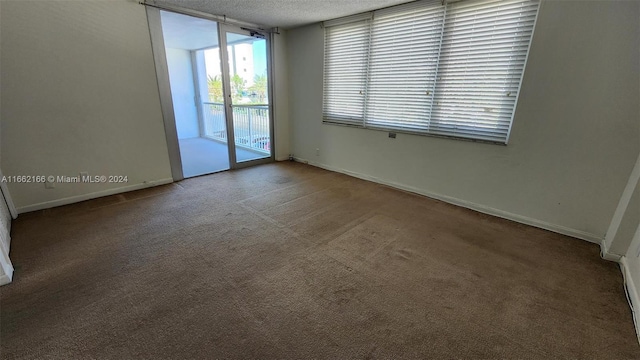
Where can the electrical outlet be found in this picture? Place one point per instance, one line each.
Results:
(317, 151)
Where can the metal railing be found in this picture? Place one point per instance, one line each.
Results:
(250, 123)
(215, 125)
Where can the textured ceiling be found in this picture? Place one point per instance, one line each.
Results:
(282, 13)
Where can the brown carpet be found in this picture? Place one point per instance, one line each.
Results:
(288, 261)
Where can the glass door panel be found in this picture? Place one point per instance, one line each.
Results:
(191, 48)
(248, 95)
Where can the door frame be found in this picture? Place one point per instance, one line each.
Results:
(223, 29)
(164, 88)
(164, 91)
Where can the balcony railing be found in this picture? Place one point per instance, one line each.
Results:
(250, 123)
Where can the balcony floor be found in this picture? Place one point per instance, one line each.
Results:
(204, 156)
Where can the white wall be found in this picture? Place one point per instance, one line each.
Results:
(79, 93)
(623, 240)
(633, 260)
(629, 222)
(6, 268)
(281, 93)
(183, 93)
(626, 218)
(573, 143)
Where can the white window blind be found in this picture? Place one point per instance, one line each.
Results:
(345, 70)
(402, 66)
(424, 67)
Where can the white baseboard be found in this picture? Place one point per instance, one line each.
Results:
(632, 292)
(5, 241)
(605, 254)
(7, 198)
(93, 195)
(7, 268)
(470, 205)
(5, 279)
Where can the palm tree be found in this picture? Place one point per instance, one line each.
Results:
(259, 87)
(237, 88)
(215, 89)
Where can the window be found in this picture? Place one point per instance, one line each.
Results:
(427, 68)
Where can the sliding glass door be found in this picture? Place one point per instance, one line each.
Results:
(245, 64)
(215, 93)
